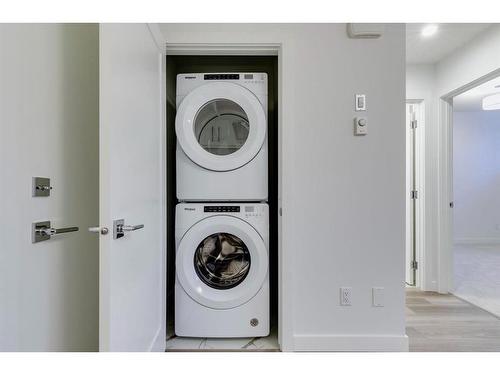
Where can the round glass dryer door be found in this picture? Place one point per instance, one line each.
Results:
(221, 262)
(221, 126)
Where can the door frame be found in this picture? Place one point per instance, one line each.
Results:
(420, 187)
(445, 182)
(285, 310)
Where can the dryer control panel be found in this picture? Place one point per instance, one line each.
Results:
(221, 76)
(256, 82)
(251, 77)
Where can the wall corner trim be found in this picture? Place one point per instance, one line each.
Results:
(351, 343)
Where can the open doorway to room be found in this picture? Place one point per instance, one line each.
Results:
(476, 202)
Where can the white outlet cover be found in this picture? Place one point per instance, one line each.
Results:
(345, 296)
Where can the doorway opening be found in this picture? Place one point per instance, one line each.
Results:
(204, 63)
(475, 182)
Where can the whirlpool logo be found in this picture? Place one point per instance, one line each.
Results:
(189, 209)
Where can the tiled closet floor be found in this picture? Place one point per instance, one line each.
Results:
(269, 343)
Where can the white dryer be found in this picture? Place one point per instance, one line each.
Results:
(222, 276)
(221, 128)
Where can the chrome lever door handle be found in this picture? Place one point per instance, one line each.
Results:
(130, 228)
(52, 231)
(42, 231)
(119, 228)
(63, 230)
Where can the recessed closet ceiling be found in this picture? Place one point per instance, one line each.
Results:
(449, 37)
(472, 100)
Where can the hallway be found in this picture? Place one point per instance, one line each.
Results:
(437, 323)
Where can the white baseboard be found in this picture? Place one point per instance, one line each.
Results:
(483, 241)
(351, 343)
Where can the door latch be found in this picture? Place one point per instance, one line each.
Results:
(101, 230)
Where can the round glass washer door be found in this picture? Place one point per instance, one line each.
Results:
(221, 262)
(221, 126)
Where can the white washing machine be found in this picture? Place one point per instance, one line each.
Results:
(221, 128)
(222, 276)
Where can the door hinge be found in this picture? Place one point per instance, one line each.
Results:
(414, 264)
(413, 124)
(414, 194)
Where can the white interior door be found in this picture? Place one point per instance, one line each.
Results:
(132, 268)
(412, 194)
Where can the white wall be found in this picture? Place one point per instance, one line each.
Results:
(343, 196)
(476, 177)
(49, 82)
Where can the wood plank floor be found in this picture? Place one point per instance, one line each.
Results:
(445, 323)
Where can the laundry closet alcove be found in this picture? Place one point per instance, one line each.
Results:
(178, 64)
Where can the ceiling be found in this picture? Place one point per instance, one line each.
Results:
(472, 100)
(450, 36)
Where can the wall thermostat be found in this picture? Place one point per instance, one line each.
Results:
(360, 102)
(360, 125)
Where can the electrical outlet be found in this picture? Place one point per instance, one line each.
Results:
(378, 297)
(345, 296)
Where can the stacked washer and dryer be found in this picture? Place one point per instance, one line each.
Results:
(222, 218)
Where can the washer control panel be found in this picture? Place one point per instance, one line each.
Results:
(221, 209)
(248, 210)
(252, 211)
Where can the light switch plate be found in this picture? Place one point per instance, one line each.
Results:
(378, 296)
(360, 102)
